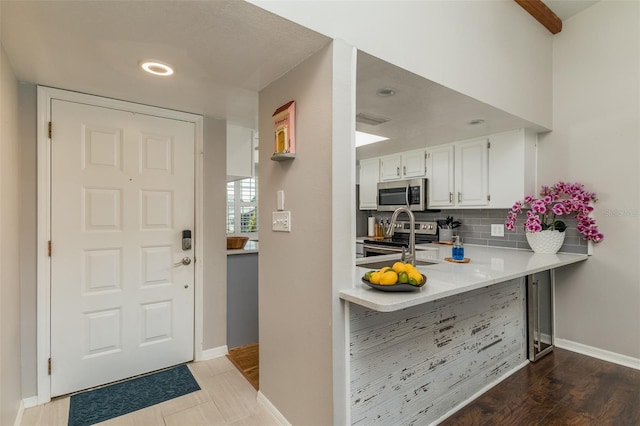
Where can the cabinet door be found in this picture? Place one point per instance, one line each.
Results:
(440, 176)
(390, 167)
(369, 176)
(239, 152)
(472, 173)
(414, 164)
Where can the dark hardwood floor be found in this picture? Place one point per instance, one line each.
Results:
(563, 388)
(246, 359)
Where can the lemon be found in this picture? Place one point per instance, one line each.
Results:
(388, 278)
(374, 278)
(403, 277)
(417, 276)
(399, 267)
(385, 269)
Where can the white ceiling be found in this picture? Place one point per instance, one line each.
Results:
(223, 52)
(565, 9)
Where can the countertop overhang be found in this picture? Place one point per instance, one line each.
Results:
(488, 266)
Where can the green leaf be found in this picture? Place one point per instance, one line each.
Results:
(559, 225)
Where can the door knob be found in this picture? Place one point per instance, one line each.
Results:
(185, 261)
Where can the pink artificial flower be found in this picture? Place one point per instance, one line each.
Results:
(534, 227)
(558, 209)
(538, 207)
(509, 225)
(528, 199)
(517, 207)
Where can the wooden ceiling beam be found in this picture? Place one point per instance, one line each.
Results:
(542, 14)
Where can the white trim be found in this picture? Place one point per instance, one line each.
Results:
(19, 414)
(212, 353)
(480, 392)
(45, 96)
(616, 358)
(271, 409)
(32, 401)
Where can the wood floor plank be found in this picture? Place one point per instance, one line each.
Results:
(563, 388)
(246, 359)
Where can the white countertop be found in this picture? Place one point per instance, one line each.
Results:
(250, 247)
(489, 265)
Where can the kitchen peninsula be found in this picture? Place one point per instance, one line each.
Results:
(416, 356)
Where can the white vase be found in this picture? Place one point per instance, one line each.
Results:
(548, 242)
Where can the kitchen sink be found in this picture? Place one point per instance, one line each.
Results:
(378, 264)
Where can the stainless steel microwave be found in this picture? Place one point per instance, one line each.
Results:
(400, 193)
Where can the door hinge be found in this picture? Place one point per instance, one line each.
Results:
(49, 366)
(488, 144)
(488, 197)
(49, 247)
(50, 130)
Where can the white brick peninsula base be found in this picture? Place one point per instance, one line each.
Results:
(413, 366)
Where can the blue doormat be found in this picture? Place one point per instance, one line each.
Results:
(111, 401)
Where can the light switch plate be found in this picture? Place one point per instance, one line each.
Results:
(497, 230)
(281, 221)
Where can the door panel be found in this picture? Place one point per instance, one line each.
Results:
(122, 192)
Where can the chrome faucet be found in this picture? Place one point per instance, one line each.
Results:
(412, 233)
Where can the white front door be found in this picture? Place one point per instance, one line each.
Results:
(122, 192)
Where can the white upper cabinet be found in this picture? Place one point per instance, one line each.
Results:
(440, 176)
(512, 168)
(240, 151)
(472, 173)
(405, 165)
(414, 164)
(369, 175)
(390, 167)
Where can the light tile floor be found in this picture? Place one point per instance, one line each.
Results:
(225, 398)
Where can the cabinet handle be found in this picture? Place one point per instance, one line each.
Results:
(398, 171)
(459, 197)
(404, 169)
(451, 197)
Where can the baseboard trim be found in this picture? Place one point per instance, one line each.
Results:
(19, 414)
(277, 415)
(30, 402)
(480, 392)
(212, 353)
(616, 358)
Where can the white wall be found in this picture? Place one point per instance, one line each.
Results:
(596, 141)
(492, 51)
(299, 273)
(27, 95)
(10, 381)
(215, 240)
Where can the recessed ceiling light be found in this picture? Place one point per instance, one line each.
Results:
(363, 138)
(157, 68)
(385, 92)
(475, 121)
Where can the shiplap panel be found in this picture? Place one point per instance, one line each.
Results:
(414, 365)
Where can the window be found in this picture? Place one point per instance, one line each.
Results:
(242, 207)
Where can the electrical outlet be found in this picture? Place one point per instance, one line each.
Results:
(281, 221)
(497, 230)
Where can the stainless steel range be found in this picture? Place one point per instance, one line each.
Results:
(425, 233)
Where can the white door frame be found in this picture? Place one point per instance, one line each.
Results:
(43, 309)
